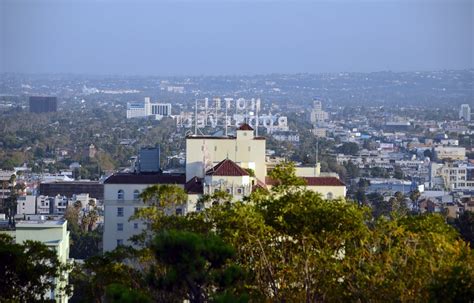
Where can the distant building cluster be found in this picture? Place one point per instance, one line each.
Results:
(42, 104)
(148, 109)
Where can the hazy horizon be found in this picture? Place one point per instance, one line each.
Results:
(231, 38)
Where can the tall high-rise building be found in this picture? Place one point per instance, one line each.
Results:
(317, 114)
(465, 112)
(43, 104)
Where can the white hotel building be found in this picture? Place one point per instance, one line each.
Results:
(146, 109)
(213, 163)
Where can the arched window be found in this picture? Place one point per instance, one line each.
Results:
(329, 196)
(120, 194)
(136, 194)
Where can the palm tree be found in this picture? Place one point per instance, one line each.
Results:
(93, 218)
(414, 196)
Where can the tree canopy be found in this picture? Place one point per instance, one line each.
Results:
(291, 244)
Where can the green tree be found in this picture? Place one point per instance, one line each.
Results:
(29, 271)
(465, 225)
(414, 196)
(348, 148)
(197, 267)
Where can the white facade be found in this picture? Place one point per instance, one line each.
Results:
(43, 205)
(5, 185)
(121, 201)
(457, 176)
(56, 205)
(118, 209)
(142, 110)
(317, 114)
(26, 205)
(465, 112)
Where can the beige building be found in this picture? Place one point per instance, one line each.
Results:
(245, 149)
(329, 187)
(450, 153)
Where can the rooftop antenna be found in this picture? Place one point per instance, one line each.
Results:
(317, 155)
(225, 122)
(257, 103)
(195, 117)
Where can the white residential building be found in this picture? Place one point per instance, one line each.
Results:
(465, 112)
(26, 205)
(44, 205)
(5, 184)
(146, 109)
(458, 176)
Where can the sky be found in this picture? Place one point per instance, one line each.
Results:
(210, 37)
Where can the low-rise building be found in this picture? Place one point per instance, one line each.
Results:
(450, 153)
(26, 205)
(52, 233)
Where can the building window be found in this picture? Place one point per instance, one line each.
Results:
(215, 148)
(199, 206)
(119, 211)
(329, 196)
(239, 191)
(119, 242)
(119, 226)
(250, 148)
(120, 194)
(228, 190)
(136, 194)
(135, 211)
(135, 225)
(179, 211)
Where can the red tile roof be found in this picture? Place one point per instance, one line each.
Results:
(227, 168)
(194, 186)
(313, 181)
(201, 137)
(259, 184)
(245, 126)
(323, 181)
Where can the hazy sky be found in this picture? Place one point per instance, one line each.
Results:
(234, 37)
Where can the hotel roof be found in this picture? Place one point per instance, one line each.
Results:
(313, 181)
(146, 178)
(227, 168)
(245, 126)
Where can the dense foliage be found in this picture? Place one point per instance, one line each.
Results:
(28, 271)
(289, 244)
